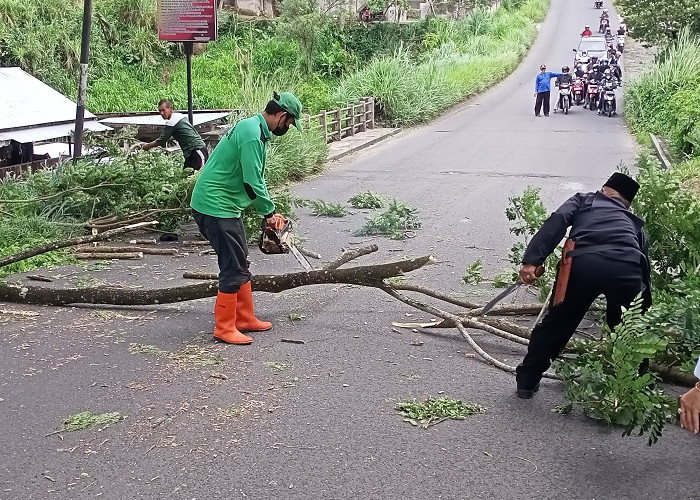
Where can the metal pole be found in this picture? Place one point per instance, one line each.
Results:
(188, 55)
(82, 82)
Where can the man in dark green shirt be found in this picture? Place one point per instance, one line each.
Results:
(178, 126)
(233, 179)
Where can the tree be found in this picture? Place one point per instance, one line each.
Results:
(302, 20)
(659, 20)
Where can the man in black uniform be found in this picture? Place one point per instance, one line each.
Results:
(609, 258)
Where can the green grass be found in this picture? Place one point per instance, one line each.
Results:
(395, 222)
(367, 199)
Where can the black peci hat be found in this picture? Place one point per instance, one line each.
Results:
(623, 184)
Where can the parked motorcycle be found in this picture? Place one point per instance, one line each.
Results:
(608, 101)
(577, 90)
(598, 4)
(621, 43)
(592, 96)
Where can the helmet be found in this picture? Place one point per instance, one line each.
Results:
(594, 58)
(605, 11)
(587, 26)
(579, 65)
(618, 53)
(596, 67)
(607, 72)
(565, 69)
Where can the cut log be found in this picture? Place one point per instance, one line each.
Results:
(127, 249)
(108, 256)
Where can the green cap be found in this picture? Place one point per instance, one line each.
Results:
(291, 104)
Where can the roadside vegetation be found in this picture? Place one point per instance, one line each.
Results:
(414, 71)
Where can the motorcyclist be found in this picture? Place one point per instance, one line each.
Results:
(605, 15)
(564, 79)
(582, 57)
(587, 31)
(622, 30)
(615, 67)
(579, 72)
(607, 83)
(608, 34)
(603, 64)
(594, 77)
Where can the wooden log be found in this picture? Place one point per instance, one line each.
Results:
(143, 241)
(108, 256)
(125, 249)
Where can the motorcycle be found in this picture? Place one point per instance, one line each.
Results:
(592, 98)
(577, 91)
(604, 24)
(621, 43)
(608, 102)
(564, 98)
(598, 4)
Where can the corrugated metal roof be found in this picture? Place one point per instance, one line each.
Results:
(47, 132)
(157, 120)
(26, 101)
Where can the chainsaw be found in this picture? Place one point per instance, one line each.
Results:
(276, 237)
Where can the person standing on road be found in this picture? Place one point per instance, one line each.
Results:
(178, 126)
(233, 179)
(690, 406)
(610, 257)
(542, 89)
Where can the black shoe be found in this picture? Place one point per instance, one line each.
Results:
(546, 114)
(537, 114)
(528, 393)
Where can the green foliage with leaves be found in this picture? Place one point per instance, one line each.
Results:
(302, 21)
(672, 215)
(655, 21)
(528, 213)
(367, 199)
(473, 274)
(604, 378)
(432, 411)
(665, 100)
(395, 222)
(87, 419)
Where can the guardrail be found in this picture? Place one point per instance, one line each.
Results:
(343, 122)
(27, 167)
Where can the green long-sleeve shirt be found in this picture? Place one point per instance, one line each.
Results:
(179, 127)
(234, 175)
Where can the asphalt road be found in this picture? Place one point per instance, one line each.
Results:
(317, 420)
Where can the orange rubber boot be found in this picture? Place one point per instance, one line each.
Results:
(245, 316)
(225, 317)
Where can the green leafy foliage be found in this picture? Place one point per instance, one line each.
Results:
(432, 411)
(660, 21)
(672, 214)
(87, 419)
(604, 378)
(368, 199)
(303, 22)
(394, 222)
(473, 273)
(322, 208)
(665, 100)
(528, 213)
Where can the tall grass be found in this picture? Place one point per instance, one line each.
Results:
(666, 99)
(481, 49)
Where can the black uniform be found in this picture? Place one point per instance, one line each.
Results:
(610, 258)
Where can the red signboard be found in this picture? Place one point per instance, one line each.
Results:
(187, 20)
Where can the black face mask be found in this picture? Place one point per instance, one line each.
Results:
(281, 129)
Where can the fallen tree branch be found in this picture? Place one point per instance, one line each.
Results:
(127, 249)
(108, 255)
(81, 240)
(359, 275)
(351, 254)
(435, 294)
(132, 219)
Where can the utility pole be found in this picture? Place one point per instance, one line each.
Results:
(188, 58)
(82, 82)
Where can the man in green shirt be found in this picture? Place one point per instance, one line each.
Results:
(234, 178)
(178, 126)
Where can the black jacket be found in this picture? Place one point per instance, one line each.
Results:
(599, 224)
(565, 78)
